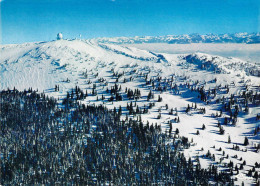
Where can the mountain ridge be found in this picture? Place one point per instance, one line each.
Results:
(248, 38)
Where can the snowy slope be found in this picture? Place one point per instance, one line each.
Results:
(41, 65)
(88, 63)
(246, 52)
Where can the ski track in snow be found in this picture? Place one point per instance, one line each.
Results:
(44, 65)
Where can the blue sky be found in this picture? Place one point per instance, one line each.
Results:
(40, 20)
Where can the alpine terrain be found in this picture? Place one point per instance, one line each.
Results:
(92, 112)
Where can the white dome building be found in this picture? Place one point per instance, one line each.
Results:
(59, 36)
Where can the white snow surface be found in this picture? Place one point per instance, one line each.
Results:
(247, 52)
(46, 64)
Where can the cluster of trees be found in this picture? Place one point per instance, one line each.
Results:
(234, 168)
(232, 104)
(160, 84)
(194, 107)
(76, 93)
(136, 94)
(44, 143)
(134, 109)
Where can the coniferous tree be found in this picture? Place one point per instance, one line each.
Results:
(177, 131)
(229, 139)
(246, 142)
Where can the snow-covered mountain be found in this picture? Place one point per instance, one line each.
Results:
(185, 39)
(188, 90)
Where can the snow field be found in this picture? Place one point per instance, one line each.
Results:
(87, 63)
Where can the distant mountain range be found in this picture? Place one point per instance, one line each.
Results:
(186, 39)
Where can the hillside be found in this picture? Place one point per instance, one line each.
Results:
(249, 53)
(206, 98)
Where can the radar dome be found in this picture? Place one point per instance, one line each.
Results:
(59, 36)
